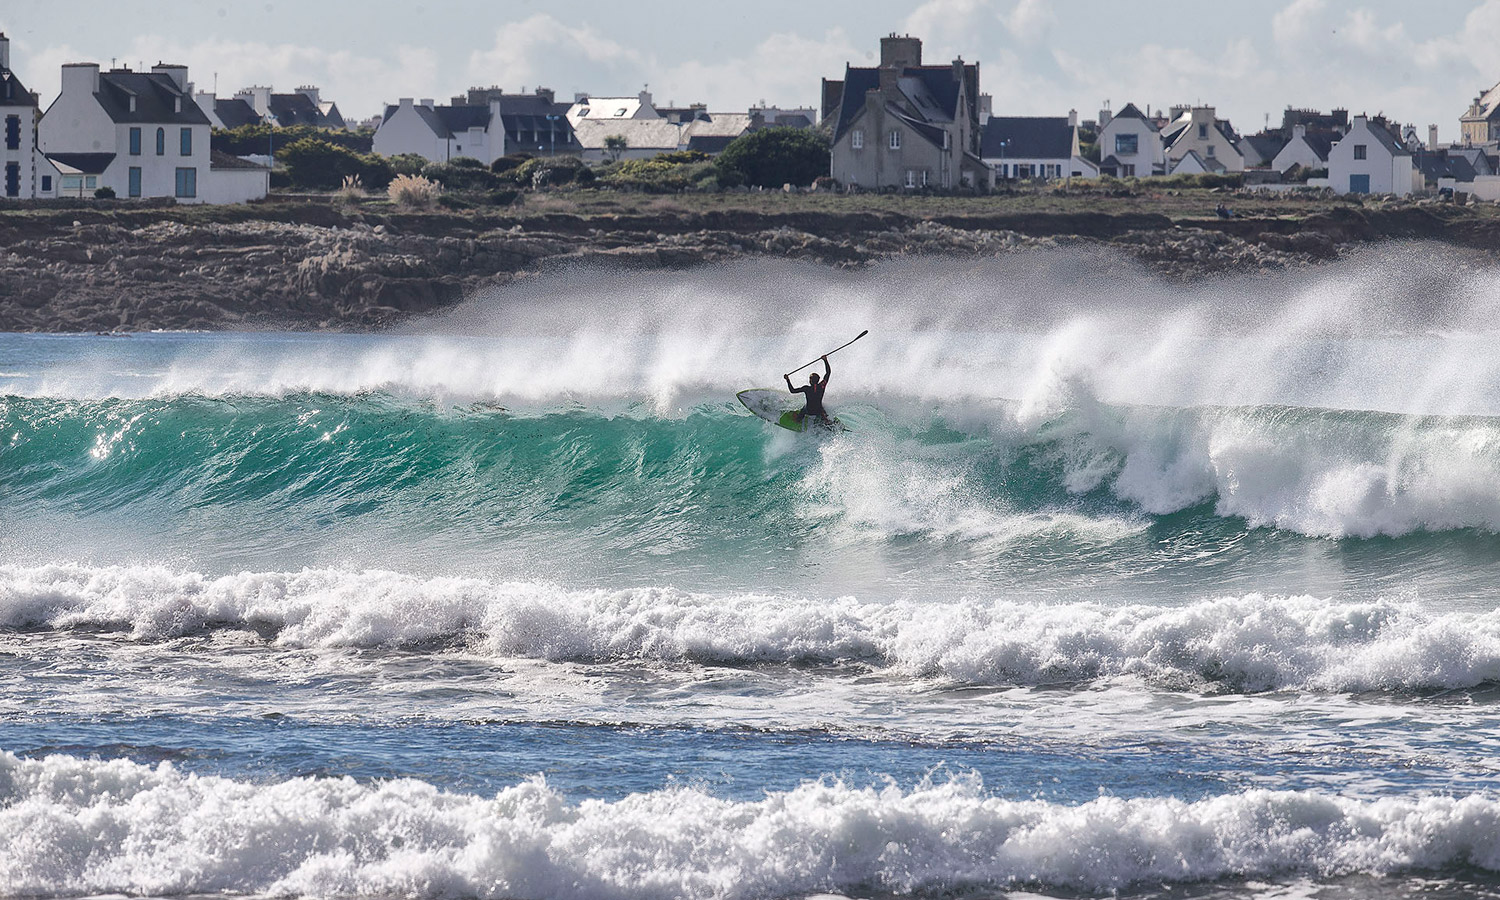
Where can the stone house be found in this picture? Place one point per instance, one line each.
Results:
(1480, 123)
(906, 125)
(485, 124)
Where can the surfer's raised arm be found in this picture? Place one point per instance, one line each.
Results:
(827, 370)
(789, 384)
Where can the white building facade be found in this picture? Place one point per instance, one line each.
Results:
(1130, 145)
(1369, 160)
(24, 172)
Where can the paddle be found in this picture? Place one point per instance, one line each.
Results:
(829, 353)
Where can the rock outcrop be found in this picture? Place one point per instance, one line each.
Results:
(316, 267)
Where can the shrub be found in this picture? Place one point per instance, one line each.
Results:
(256, 139)
(407, 163)
(448, 201)
(316, 164)
(412, 191)
(772, 157)
(462, 174)
(104, 193)
(661, 175)
(504, 197)
(552, 171)
(509, 162)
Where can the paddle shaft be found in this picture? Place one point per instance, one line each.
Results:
(829, 353)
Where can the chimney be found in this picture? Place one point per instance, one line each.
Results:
(4, 51)
(958, 70)
(178, 74)
(80, 78)
(547, 94)
(1105, 116)
(258, 97)
(986, 108)
(1072, 118)
(312, 93)
(646, 99)
(1299, 130)
(889, 75)
(406, 103)
(900, 52)
(427, 102)
(1432, 138)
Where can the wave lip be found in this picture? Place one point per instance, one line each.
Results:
(88, 827)
(1252, 642)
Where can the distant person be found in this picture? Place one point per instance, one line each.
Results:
(813, 391)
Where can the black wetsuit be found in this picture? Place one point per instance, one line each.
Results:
(814, 394)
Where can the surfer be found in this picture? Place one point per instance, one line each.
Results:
(813, 391)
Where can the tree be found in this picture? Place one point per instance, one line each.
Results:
(616, 145)
(772, 157)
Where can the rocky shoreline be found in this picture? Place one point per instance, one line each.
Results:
(316, 266)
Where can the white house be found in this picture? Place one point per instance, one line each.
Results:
(1130, 144)
(26, 173)
(1191, 164)
(1198, 129)
(1310, 151)
(612, 108)
(488, 125)
(140, 134)
(1370, 160)
(1034, 148)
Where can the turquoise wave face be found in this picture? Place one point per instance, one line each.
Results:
(1105, 496)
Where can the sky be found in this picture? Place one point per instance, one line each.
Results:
(1421, 63)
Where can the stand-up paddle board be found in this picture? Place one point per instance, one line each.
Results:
(779, 408)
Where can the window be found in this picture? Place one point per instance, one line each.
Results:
(91, 181)
(1127, 143)
(1203, 132)
(46, 184)
(187, 182)
(12, 179)
(12, 132)
(895, 140)
(1127, 171)
(911, 178)
(135, 181)
(1360, 151)
(583, 113)
(857, 139)
(187, 142)
(1210, 151)
(73, 183)
(924, 178)
(161, 142)
(620, 112)
(135, 142)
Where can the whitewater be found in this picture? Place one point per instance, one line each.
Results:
(1114, 587)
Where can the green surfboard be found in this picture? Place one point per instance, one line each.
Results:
(779, 408)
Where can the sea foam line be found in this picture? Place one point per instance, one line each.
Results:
(1250, 642)
(89, 826)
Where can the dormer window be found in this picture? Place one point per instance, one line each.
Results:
(583, 113)
(620, 111)
(895, 139)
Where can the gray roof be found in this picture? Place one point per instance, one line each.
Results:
(1027, 137)
(155, 96)
(86, 163)
(296, 109)
(13, 92)
(235, 113)
(931, 91)
(1266, 145)
(1129, 111)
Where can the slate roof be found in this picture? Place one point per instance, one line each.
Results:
(296, 109)
(931, 91)
(1130, 111)
(1386, 140)
(1442, 164)
(155, 99)
(1027, 137)
(1266, 145)
(639, 134)
(236, 113)
(82, 163)
(1487, 107)
(13, 92)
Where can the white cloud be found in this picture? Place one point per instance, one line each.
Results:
(1297, 21)
(949, 28)
(543, 49)
(1029, 20)
(782, 70)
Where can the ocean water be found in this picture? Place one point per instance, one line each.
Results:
(1114, 587)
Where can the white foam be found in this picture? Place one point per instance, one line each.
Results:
(78, 827)
(1250, 642)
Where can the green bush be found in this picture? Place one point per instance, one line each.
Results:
(448, 201)
(315, 164)
(772, 157)
(552, 171)
(254, 139)
(685, 170)
(460, 175)
(504, 197)
(407, 163)
(509, 162)
(104, 193)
